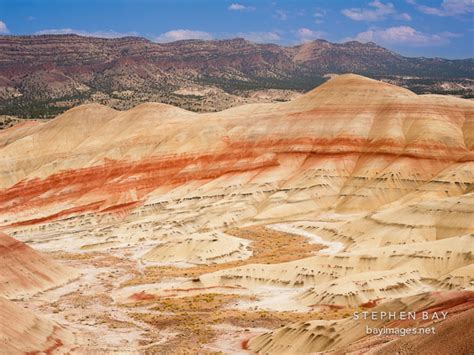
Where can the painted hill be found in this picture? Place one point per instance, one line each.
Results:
(335, 337)
(25, 271)
(379, 178)
(24, 332)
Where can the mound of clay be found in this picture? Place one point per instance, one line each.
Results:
(352, 143)
(354, 278)
(343, 335)
(23, 332)
(26, 271)
(450, 338)
(201, 249)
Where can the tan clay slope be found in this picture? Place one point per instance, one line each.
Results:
(93, 158)
(353, 278)
(206, 248)
(450, 338)
(349, 113)
(26, 271)
(22, 332)
(342, 336)
(402, 223)
(18, 131)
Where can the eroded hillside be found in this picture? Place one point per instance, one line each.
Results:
(207, 232)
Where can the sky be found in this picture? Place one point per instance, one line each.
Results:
(430, 28)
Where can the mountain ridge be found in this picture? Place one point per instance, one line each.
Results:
(41, 76)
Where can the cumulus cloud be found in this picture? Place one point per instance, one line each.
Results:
(100, 34)
(3, 28)
(181, 34)
(404, 35)
(240, 7)
(305, 34)
(447, 8)
(378, 11)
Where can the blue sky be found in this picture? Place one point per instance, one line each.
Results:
(431, 28)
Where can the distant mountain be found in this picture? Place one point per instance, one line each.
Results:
(370, 59)
(41, 76)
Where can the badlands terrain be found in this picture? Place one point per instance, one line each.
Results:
(258, 229)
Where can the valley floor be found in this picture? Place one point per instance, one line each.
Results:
(108, 308)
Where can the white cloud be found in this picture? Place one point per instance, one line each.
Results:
(378, 11)
(284, 15)
(236, 7)
(3, 28)
(319, 16)
(404, 35)
(403, 16)
(447, 8)
(281, 15)
(240, 7)
(181, 34)
(100, 34)
(259, 37)
(305, 34)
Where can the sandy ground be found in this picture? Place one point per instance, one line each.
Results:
(331, 247)
(85, 307)
(109, 309)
